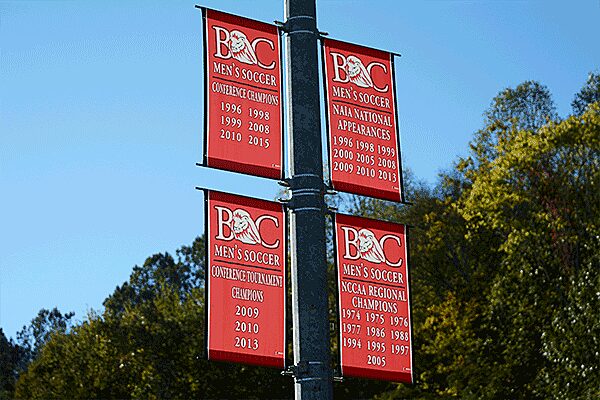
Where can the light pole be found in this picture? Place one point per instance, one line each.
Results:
(312, 354)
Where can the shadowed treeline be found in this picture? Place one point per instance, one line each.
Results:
(505, 265)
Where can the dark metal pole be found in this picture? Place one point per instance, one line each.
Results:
(312, 370)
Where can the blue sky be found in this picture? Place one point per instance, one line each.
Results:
(101, 119)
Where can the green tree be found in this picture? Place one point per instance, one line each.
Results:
(588, 94)
(527, 107)
(148, 343)
(517, 226)
(505, 273)
(11, 362)
(35, 335)
(540, 196)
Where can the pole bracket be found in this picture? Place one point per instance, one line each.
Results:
(304, 371)
(300, 24)
(307, 193)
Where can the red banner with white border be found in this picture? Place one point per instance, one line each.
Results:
(374, 301)
(364, 154)
(243, 97)
(246, 280)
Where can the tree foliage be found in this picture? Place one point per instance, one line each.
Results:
(508, 253)
(35, 335)
(11, 362)
(148, 343)
(505, 265)
(527, 107)
(589, 94)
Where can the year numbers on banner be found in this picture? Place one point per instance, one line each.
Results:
(259, 114)
(259, 141)
(231, 121)
(231, 108)
(246, 343)
(258, 127)
(229, 135)
(246, 327)
(242, 311)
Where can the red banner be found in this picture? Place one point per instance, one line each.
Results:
(364, 154)
(243, 102)
(246, 280)
(374, 304)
